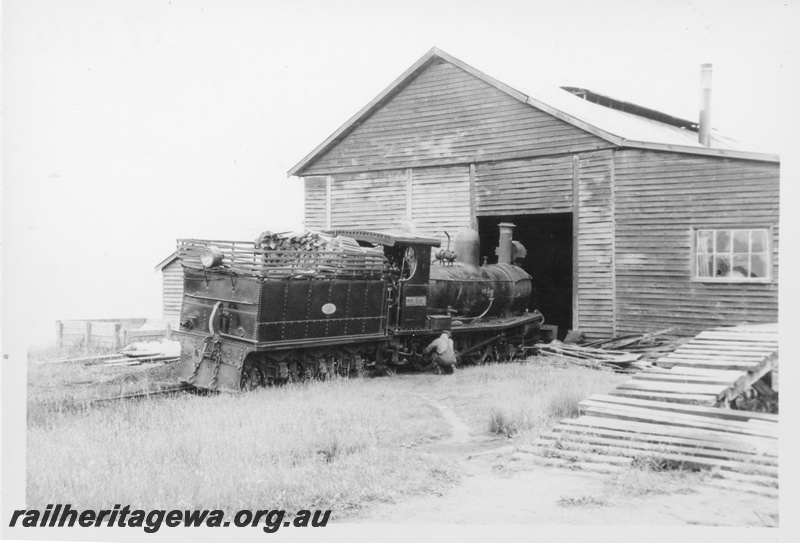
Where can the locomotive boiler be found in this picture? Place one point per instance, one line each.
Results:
(343, 300)
(465, 288)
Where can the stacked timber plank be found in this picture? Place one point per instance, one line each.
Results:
(740, 355)
(675, 415)
(626, 354)
(740, 448)
(650, 345)
(681, 384)
(122, 359)
(601, 359)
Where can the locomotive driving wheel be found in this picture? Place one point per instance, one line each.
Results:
(480, 356)
(252, 378)
(488, 355)
(423, 362)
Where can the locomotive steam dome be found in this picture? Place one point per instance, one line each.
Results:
(468, 291)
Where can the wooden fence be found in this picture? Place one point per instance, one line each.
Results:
(109, 333)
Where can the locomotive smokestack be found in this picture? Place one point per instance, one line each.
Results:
(505, 250)
(705, 108)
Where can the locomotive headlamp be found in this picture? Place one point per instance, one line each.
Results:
(210, 256)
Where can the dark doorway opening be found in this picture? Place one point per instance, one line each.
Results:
(548, 240)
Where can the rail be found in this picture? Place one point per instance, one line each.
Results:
(137, 395)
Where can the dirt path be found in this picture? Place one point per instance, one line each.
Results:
(459, 430)
(501, 486)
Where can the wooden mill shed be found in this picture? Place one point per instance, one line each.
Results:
(630, 223)
(172, 287)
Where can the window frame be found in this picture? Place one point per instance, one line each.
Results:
(770, 256)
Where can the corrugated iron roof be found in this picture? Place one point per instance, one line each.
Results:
(630, 107)
(627, 129)
(622, 128)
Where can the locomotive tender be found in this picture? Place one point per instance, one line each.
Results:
(253, 315)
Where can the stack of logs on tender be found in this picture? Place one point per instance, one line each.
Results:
(308, 254)
(310, 241)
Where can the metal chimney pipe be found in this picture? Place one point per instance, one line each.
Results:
(504, 247)
(705, 108)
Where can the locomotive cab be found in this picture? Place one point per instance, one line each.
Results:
(409, 260)
(411, 286)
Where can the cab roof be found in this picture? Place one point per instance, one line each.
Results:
(386, 238)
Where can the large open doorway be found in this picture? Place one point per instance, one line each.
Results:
(548, 240)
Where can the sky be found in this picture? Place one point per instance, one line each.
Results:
(130, 123)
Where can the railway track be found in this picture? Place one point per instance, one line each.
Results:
(138, 395)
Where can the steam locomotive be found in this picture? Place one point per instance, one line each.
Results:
(254, 315)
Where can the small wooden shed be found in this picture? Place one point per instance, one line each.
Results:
(630, 223)
(172, 287)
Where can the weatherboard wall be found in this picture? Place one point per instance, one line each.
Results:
(440, 201)
(315, 203)
(369, 200)
(593, 266)
(540, 185)
(172, 290)
(428, 201)
(445, 116)
(660, 197)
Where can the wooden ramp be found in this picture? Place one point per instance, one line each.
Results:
(676, 415)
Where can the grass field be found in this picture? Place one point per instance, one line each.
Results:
(340, 444)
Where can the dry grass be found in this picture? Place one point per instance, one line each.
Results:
(338, 445)
(67, 386)
(582, 501)
(522, 400)
(332, 445)
(648, 477)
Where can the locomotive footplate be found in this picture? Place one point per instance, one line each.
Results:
(323, 341)
(494, 324)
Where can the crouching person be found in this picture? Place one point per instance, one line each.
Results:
(443, 353)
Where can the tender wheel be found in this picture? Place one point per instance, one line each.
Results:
(252, 378)
(323, 371)
(295, 372)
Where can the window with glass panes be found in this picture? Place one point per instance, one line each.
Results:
(732, 254)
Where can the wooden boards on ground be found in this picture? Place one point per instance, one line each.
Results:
(670, 416)
(713, 368)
